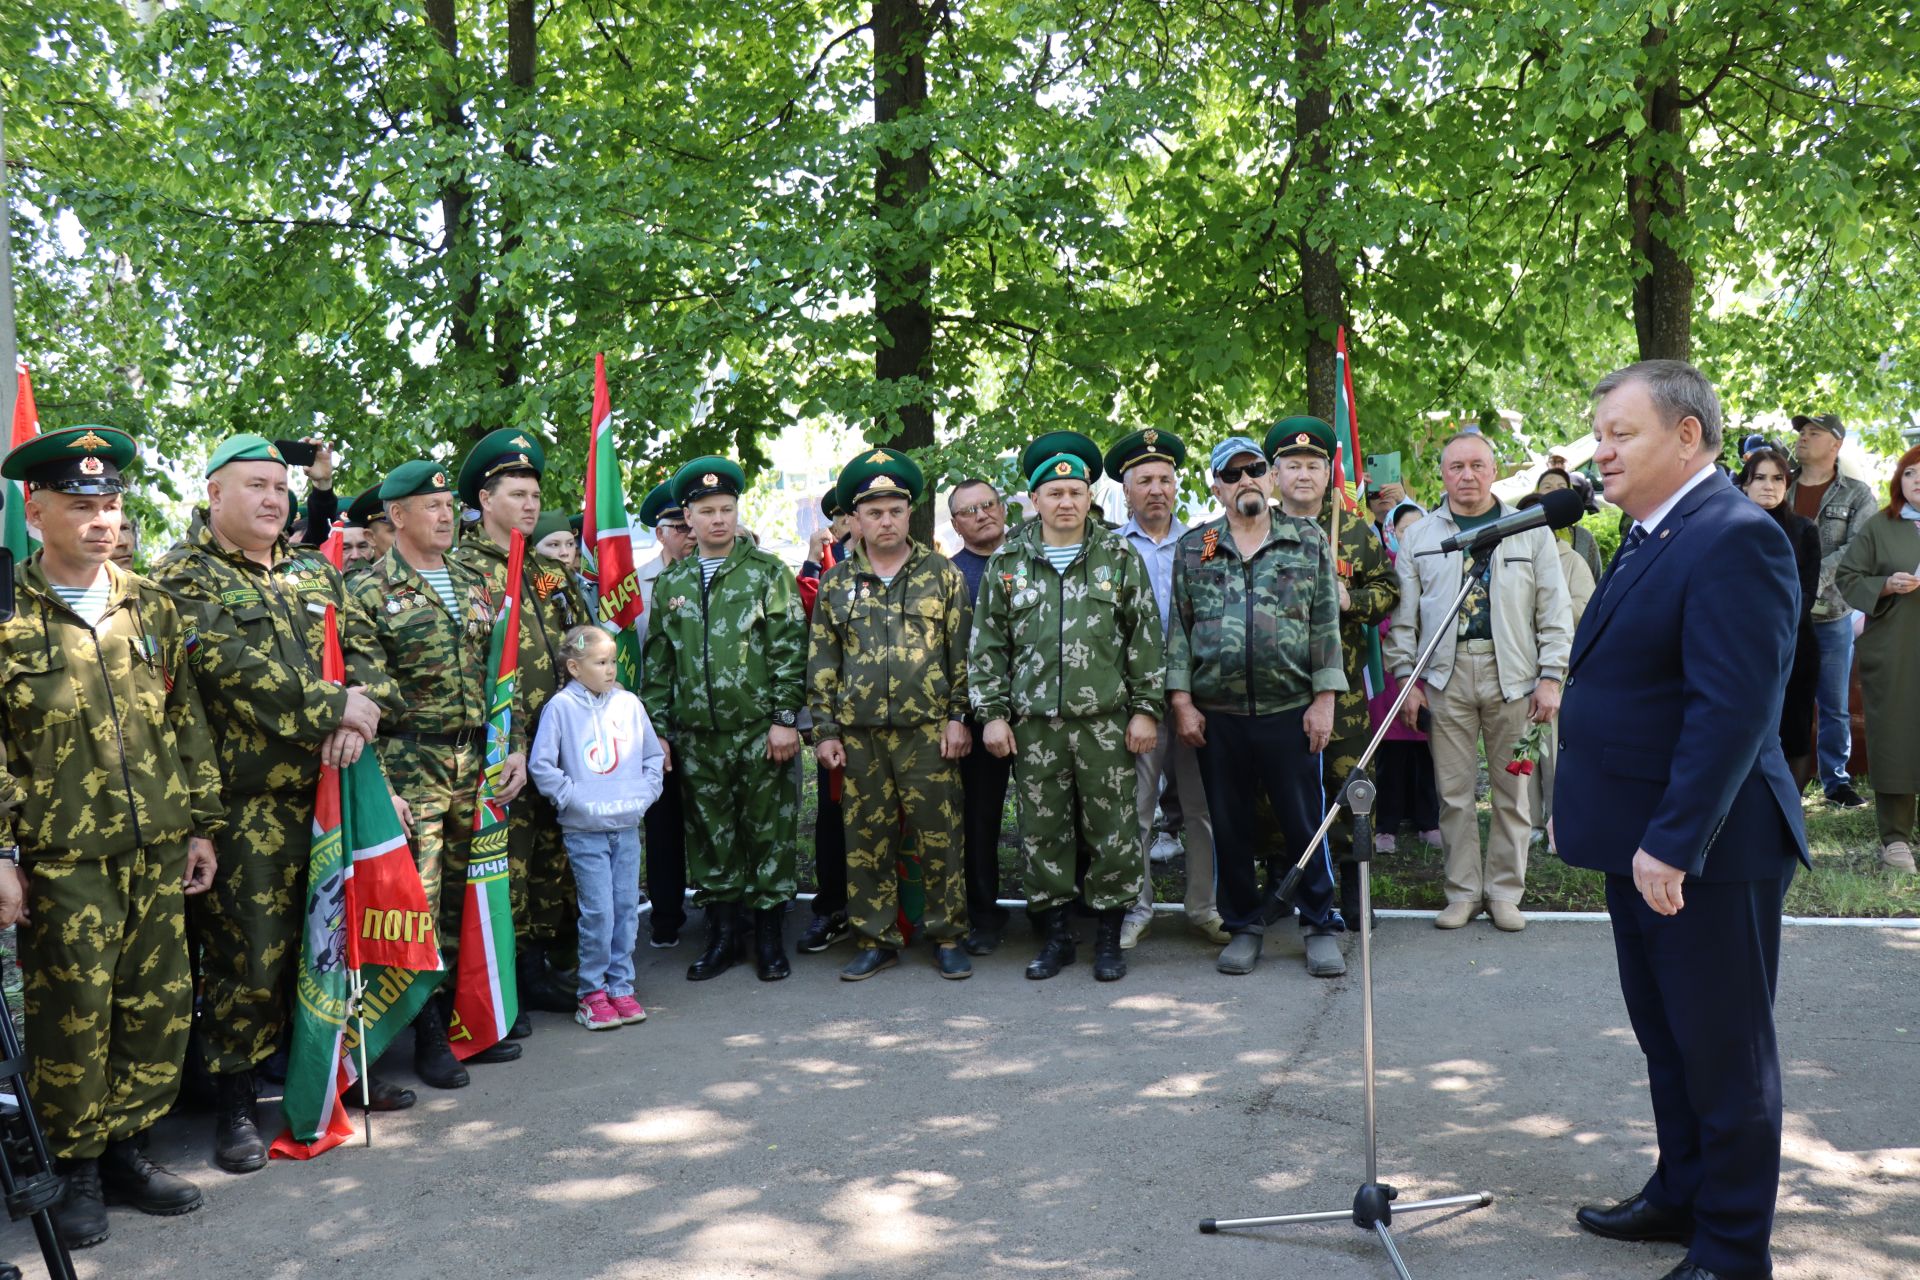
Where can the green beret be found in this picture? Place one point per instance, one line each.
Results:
(366, 508)
(1051, 449)
(704, 477)
(1306, 435)
(550, 523)
(659, 504)
(411, 479)
(244, 448)
(508, 449)
(1150, 444)
(879, 473)
(84, 461)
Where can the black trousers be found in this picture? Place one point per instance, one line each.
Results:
(1699, 988)
(1404, 773)
(983, 780)
(1243, 755)
(667, 859)
(829, 849)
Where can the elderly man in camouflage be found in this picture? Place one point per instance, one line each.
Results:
(262, 618)
(1253, 668)
(725, 678)
(1066, 675)
(433, 620)
(500, 478)
(111, 803)
(887, 685)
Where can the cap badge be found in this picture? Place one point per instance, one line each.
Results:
(273, 451)
(879, 482)
(440, 479)
(1063, 468)
(1303, 438)
(522, 442)
(92, 466)
(89, 441)
(1150, 436)
(880, 456)
(709, 478)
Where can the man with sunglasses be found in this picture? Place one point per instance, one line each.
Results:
(979, 516)
(1253, 667)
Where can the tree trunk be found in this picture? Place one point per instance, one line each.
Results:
(510, 323)
(902, 261)
(1657, 200)
(458, 254)
(1321, 289)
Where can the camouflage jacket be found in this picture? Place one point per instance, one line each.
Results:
(437, 667)
(107, 745)
(262, 634)
(1259, 636)
(1374, 588)
(548, 610)
(889, 656)
(1083, 643)
(729, 654)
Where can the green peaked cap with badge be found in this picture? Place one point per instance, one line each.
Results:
(1302, 435)
(244, 448)
(704, 477)
(879, 473)
(411, 479)
(658, 505)
(84, 461)
(830, 502)
(366, 508)
(499, 452)
(1060, 455)
(1149, 444)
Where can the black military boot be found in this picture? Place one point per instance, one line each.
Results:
(769, 943)
(498, 1051)
(237, 1144)
(433, 1059)
(1109, 961)
(81, 1215)
(522, 1027)
(128, 1177)
(1056, 953)
(723, 942)
(539, 989)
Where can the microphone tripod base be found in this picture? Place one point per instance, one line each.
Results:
(1372, 1211)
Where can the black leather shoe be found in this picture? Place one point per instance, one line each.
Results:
(387, 1096)
(1057, 952)
(498, 1051)
(433, 1060)
(1637, 1219)
(769, 944)
(982, 940)
(867, 962)
(128, 1177)
(237, 1144)
(723, 942)
(81, 1215)
(822, 932)
(1845, 797)
(1109, 961)
(522, 1027)
(951, 960)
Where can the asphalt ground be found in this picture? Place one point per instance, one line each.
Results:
(912, 1127)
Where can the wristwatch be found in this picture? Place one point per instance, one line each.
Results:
(786, 718)
(10, 853)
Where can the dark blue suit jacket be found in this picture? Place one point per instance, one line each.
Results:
(1670, 725)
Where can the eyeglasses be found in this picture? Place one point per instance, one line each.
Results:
(1252, 471)
(671, 526)
(977, 508)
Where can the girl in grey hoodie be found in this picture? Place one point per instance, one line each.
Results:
(597, 759)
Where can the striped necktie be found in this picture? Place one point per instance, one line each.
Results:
(1628, 545)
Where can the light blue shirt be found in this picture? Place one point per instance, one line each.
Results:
(1158, 557)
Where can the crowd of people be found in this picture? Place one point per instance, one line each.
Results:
(165, 732)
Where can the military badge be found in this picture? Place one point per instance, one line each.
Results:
(89, 442)
(439, 479)
(1063, 468)
(1150, 436)
(91, 466)
(879, 456)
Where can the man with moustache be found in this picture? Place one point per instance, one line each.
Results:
(367, 534)
(979, 516)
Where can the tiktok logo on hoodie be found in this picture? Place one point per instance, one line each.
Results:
(603, 751)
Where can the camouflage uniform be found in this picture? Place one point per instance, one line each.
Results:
(722, 660)
(886, 673)
(433, 736)
(109, 771)
(262, 633)
(539, 881)
(1068, 659)
(1374, 589)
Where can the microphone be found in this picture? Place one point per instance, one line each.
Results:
(1556, 510)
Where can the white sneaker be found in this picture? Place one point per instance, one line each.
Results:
(1383, 843)
(1133, 929)
(1214, 930)
(1165, 847)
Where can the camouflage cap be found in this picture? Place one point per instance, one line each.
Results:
(1229, 449)
(244, 448)
(411, 479)
(84, 461)
(879, 473)
(1301, 435)
(499, 452)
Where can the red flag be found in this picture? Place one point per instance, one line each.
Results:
(26, 425)
(608, 533)
(1346, 428)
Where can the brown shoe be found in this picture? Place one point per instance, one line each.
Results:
(1897, 856)
(1506, 916)
(1456, 915)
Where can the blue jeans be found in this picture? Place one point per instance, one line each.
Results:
(606, 868)
(1836, 718)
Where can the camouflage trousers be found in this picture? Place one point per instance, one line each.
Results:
(546, 907)
(109, 994)
(742, 813)
(1076, 786)
(246, 928)
(439, 783)
(895, 773)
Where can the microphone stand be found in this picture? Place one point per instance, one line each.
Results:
(1372, 1208)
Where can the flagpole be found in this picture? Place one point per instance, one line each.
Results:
(9, 348)
(366, 1071)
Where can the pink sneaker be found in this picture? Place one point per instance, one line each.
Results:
(627, 1008)
(596, 1013)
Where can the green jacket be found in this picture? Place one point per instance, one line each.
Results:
(1259, 636)
(726, 655)
(1079, 644)
(438, 667)
(1374, 588)
(889, 657)
(547, 610)
(262, 636)
(107, 745)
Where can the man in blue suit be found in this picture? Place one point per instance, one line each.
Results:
(1672, 782)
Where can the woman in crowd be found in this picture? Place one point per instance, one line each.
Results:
(1879, 575)
(1575, 536)
(1765, 477)
(1404, 768)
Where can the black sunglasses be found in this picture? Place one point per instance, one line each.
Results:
(1252, 471)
